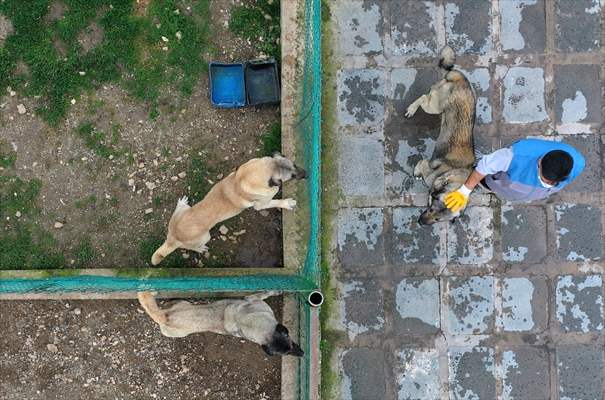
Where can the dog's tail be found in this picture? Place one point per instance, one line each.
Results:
(165, 249)
(149, 304)
(447, 58)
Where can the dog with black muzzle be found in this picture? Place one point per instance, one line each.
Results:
(253, 184)
(452, 161)
(251, 319)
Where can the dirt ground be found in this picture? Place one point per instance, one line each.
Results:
(121, 203)
(110, 349)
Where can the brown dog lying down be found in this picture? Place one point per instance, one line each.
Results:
(250, 318)
(252, 185)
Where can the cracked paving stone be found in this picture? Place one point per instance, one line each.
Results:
(468, 26)
(578, 25)
(577, 98)
(578, 228)
(523, 305)
(413, 243)
(362, 167)
(363, 374)
(413, 28)
(523, 94)
(522, 26)
(580, 370)
(417, 303)
(525, 373)
(470, 238)
(579, 303)
(360, 237)
(362, 307)
(361, 27)
(523, 234)
(417, 374)
(472, 373)
(469, 305)
(360, 97)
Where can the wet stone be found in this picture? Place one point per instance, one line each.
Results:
(523, 305)
(472, 373)
(469, 305)
(417, 374)
(468, 26)
(523, 234)
(579, 303)
(363, 374)
(363, 307)
(417, 302)
(523, 94)
(413, 28)
(525, 373)
(413, 243)
(578, 25)
(470, 238)
(577, 98)
(362, 167)
(360, 241)
(360, 97)
(361, 27)
(578, 228)
(522, 26)
(479, 79)
(590, 179)
(580, 370)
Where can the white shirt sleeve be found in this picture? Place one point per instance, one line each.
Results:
(495, 162)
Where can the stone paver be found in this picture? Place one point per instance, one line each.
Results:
(580, 372)
(417, 302)
(579, 303)
(523, 234)
(507, 301)
(417, 374)
(525, 372)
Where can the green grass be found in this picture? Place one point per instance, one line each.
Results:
(131, 51)
(7, 156)
(85, 253)
(86, 202)
(197, 183)
(149, 245)
(259, 22)
(271, 140)
(99, 142)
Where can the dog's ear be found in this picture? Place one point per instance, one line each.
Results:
(274, 182)
(296, 350)
(267, 350)
(281, 329)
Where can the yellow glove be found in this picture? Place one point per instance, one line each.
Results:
(457, 200)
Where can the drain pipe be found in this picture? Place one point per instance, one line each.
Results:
(315, 298)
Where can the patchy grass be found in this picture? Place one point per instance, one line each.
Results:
(147, 53)
(85, 253)
(148, 246)
(197, 181)
(86, 202)
(271, 140)
(7, 156)
(259, 22)
(99, 142)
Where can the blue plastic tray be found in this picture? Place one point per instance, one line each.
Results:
(262, 82)
(227, 87)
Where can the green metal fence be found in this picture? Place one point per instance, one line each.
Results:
(302, 279)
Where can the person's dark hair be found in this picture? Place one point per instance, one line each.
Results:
(556, 165)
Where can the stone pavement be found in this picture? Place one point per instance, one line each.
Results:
(507, 302)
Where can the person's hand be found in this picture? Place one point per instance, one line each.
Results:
(457, 200)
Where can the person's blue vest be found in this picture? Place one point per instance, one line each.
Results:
(526, 153)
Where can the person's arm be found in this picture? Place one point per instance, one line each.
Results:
(490, 164)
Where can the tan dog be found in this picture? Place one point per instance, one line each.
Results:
(252, 185)
(454, 155)
(250, 318)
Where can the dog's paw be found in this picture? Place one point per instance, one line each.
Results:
(409, 113)
(272, 293)
(289, 204)
(184, 201)
(420, 168)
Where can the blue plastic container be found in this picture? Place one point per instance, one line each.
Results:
(262, 82)
(227, 86)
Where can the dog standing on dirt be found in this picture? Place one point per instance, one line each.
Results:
(250, 318)
(454, 155)
(253, 184)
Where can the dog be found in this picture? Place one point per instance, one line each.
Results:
(253, 184)
(250, 318)
(454, 156)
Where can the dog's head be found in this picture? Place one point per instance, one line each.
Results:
(282, 344)
(437, 210)
(284, 170)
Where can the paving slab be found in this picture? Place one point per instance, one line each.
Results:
(472, 373)
(577, 98)
(401, 160)
(523, 94)
(360, 27)
(590, 180)
(523, 26)
(578, 25)
(525, 373)
(362, 167)
(578, 228)
(360, 96)
(480, 80)
(413, 243)
(360, 236)
(468, 26)
(414, 28)
(363, 374)
(580, 372)
(579, 303)
(417, 374)
(524, 305)
(468, 304)
(362, 306)
(418, 306)
(470, 238)
(523, 230)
